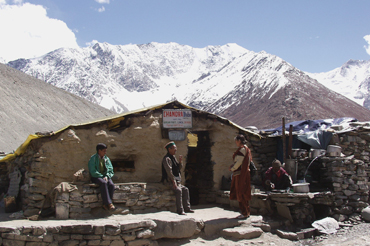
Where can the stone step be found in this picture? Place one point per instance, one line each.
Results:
(242, 232)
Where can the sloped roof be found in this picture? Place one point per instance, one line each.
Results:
(115, 120)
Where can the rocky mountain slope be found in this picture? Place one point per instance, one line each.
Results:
(29, 105)
(249, 88)
(351, 80)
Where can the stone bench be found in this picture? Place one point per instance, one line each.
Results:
(298, 208)
(135, 197)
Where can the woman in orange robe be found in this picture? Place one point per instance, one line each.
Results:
(241, 181)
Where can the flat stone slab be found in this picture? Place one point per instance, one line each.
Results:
(242, 232)
(212, 227)
(287, 235)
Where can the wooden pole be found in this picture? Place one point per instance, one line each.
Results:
(290, 143)
(284, 140)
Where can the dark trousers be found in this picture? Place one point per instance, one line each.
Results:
(182, 198)
(106, 189)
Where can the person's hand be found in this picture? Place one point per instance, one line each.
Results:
(106, 179)
(174, 184)
(180, 158)
(231, 167)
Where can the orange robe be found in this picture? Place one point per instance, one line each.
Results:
(240, 189)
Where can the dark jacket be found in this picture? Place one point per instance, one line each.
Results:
(94, 167)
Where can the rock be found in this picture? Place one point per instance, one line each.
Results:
(287, 235)
(340, 217)
(242, 232)
(175, 228)
(31, 211)
(213, 227)
(263, 226)
(365, 214)
(306, 233)
(62, 211)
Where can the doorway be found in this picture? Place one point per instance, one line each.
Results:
(199, 168)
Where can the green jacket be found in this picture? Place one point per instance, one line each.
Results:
(94, 167)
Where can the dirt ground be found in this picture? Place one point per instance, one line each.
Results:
(358, 235)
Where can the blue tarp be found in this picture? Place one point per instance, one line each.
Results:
(307, 126)
(309, 134)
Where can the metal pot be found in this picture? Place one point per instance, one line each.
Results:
(295, 153)
(301, 187)
(317, 152)
(334, 150)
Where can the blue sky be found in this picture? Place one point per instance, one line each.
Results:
(314, 36)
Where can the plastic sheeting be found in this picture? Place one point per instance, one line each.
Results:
(307, 126)
(317, 140)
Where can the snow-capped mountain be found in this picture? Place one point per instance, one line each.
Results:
(249, 88)
(128, 77)
(351, 80)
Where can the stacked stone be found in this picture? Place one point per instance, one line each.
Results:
(135, 197)
(124, 233)
(356, 143)
(263, 153)
(350, 184)
(35, 187)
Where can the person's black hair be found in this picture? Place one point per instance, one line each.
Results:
(100, 146)
(241, 138)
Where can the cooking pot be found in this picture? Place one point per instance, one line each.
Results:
(295, 153)
(317, 152)
(301, 187)
(334, 150)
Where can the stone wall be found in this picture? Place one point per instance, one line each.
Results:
(263, 153)
(124, 233)
(128, 198)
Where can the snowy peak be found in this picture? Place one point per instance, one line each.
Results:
(351, 80)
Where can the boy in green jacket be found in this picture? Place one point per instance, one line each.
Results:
(101, 171)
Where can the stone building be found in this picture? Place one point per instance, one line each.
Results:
(135, 143)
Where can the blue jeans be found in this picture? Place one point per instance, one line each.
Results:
(106, 189)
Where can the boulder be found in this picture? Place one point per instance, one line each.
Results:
(212, 227)
(365, 214)
(175, 228)
(242, 232)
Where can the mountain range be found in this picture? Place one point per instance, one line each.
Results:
(247, 87)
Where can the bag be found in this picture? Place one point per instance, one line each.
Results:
(253, 168)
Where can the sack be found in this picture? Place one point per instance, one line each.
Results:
(252, 168)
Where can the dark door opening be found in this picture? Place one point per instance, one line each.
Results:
(199, 168)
